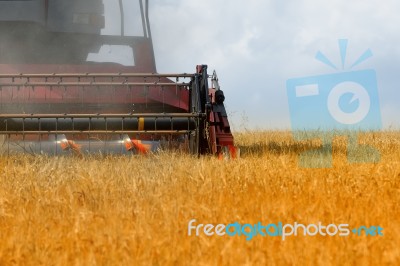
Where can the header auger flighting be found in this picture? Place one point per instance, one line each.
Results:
(89, 84)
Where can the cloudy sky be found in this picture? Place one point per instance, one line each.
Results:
(257, 45)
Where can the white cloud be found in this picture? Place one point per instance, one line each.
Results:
(256, 45)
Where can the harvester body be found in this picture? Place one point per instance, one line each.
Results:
(80, 76)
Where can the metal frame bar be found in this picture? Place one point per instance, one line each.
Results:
(91, 132)
(58, 79)
(86, 84)
(27, 116)
(95, 75)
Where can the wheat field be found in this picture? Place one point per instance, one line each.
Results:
(134, 210)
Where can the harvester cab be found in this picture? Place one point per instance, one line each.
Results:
(80, 76)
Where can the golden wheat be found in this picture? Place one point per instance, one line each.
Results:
(134, 210)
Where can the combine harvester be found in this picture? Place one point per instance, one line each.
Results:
(80, 77)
